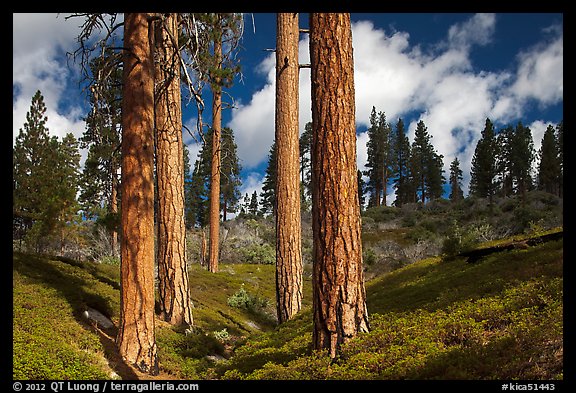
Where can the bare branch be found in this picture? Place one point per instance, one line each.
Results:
(96, 38)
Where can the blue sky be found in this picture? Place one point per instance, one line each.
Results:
(449, 70)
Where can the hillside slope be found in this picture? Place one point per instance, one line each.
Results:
(53, 340)
(501, 317)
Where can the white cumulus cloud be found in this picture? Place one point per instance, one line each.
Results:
(39, 43)
(540, 73)
(401, 79)
(437, 84)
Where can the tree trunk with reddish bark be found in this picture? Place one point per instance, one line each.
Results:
(288, 226)
(213, 247)
(339, 299)
(173, 286)
(136, 337)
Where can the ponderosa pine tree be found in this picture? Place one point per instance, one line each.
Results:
(402, 157)
(29, 170)
(483, 171)
(549, 166)
(173, 286)
(433, 167)
(216, 61)
(288, 227)
(64, 180)
(385, 131)
(374, 161)
(422, 153)
(229, 173)
(503, 161)
(436, 179)
(268, 194)
(197, 201)
(253, 207)
(522, 157)
(99, 183)
(339, 299)
(378, 162)
(229, 177)
(456, 176)
(136, 338)
(45, 182)
(428, 177)
(216, 86)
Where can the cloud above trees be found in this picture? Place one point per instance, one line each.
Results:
(440, 86)
(38, 66)
(438, 83)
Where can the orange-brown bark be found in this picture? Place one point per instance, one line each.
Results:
(213, 248)
(338, 282)
(136, 337)
(173, 286)
(288, 226)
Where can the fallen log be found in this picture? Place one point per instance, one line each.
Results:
(477, 254)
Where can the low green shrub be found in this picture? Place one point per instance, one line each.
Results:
(369, 256)
(243, 299)
(221, 335)
(458, 240)
(258, 253)
(381, 213)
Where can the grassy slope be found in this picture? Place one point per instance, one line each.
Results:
(210, 293)
(499, 318)
(52, 340)
(49, 339)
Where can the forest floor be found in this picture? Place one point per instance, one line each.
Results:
(499, 318)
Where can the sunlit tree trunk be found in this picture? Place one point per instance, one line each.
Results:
(288, 228)
(173, 286)
(114, 207)
(338, 282)
(213, 247)
(136, 338)
(213, 250)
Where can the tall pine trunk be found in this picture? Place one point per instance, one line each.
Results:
(288, 228)
(136, 338)
(339, 299)
(114, 206)
(215, 167)
(173, 286)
